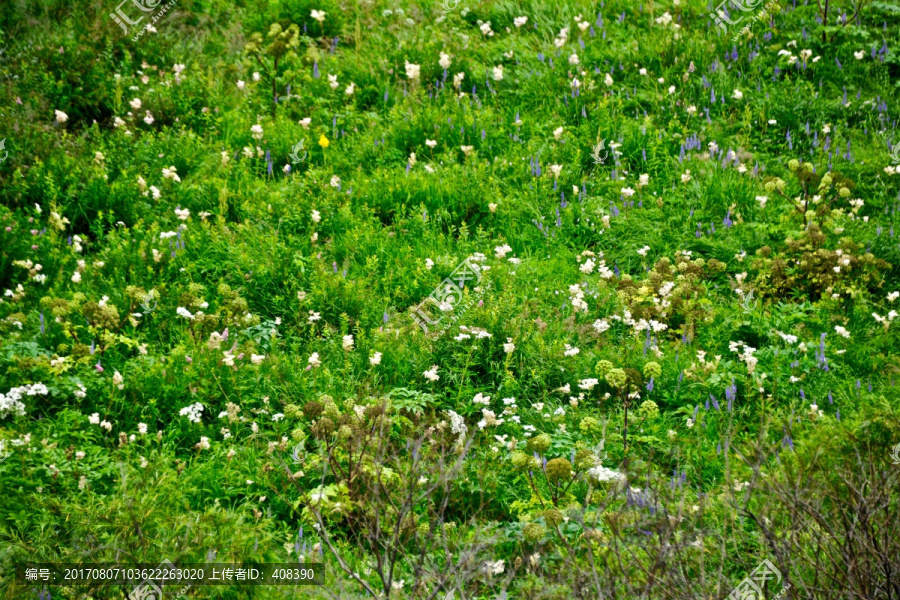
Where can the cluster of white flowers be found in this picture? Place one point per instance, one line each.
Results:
(481, 399)
(193, 412)
(510, 408)
(653, 325)
(577, 298)
(590, 265)
(745, 353)
(587, 267)
(457, 424)
(412, 70)
(216, 339)
(248, 152)
(431, 374)
(885, 321)
(489, 419)
(790, 339)
(665, 19)
(171, 173)
(601, 474)
(562, 38)
(478, 333)
(347, 343)
(94, 419)
(494, 567)
(815, 412)
(601, 325)
(588, 384)
(10, 402)
(228, 357)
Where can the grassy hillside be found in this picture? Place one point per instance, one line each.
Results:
(540, 300)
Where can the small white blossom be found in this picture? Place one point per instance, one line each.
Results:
(431, 374)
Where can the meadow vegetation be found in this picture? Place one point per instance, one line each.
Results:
(673, 353)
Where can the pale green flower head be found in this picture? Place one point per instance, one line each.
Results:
(603, 367)
(558, 470)
(652, 369)
(589, 425)
(539, 443)
(649, 409)
(616, 378)
(533, 532)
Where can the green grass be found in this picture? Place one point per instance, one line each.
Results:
(722, 444)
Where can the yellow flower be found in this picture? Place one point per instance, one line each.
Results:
(323, 141)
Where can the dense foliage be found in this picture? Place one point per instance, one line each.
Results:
(460, 300)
